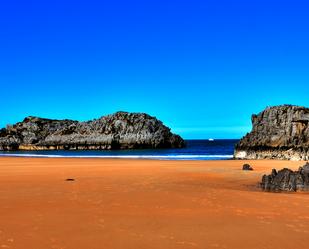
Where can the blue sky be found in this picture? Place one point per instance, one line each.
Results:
(202, 67)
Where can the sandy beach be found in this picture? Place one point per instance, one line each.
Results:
(117, 204)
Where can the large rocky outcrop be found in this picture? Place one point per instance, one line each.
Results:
(121, 130)
(280, 132)
(287, 180)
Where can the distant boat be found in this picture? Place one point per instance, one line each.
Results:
(211, 139)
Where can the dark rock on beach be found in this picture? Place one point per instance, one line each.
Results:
(121, 130)
(280, 132)
(247, 167)
(287, 180)
(70, 179)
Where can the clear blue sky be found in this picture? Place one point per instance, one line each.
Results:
(202, 67)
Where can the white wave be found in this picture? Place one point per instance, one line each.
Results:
(120, 156)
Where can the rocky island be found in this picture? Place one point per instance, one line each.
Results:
(121, 130)
(280, 132)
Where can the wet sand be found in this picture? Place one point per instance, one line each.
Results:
(137, 204)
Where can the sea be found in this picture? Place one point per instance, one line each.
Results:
(221, 149)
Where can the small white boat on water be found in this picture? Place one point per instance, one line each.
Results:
(211, 139)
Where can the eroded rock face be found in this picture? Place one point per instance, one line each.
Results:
(121, 130)
(287, 180)
(280, 132)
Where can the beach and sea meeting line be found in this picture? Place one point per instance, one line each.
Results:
(194, 150)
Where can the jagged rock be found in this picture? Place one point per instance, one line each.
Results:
(287, 180)
(247, 167)
(121, 130)
(280, 132)
(305, 168)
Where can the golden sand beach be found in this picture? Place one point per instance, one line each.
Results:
(146, 204)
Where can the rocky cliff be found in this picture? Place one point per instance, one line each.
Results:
(121, 130)
(280, 132)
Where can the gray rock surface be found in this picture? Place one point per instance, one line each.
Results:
(280, 132)
(287, 180)
(247, 167)
(121, 130)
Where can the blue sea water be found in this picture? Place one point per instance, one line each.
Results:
(195, 150)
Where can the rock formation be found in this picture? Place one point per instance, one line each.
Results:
(280, 132)
(247, 167)
(287, 180)
(121, 130)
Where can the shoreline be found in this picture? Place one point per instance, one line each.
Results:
(129, 157)
(185, 158)
(195, 150)
(137, 203)
(120, 156)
